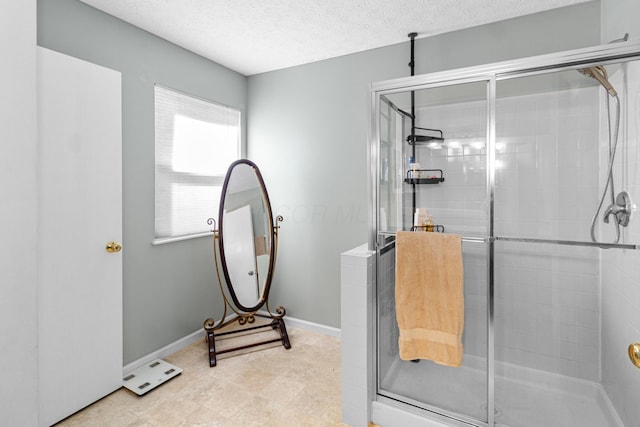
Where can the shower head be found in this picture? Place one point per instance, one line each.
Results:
(600, 74)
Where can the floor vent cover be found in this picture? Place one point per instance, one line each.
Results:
(150, 376)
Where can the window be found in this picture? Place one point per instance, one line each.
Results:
(196, 141)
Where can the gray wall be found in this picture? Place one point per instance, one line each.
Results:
(169, 290)
(18, 233)
(308, 134)
(306, 130)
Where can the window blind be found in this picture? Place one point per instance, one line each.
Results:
(195, 142)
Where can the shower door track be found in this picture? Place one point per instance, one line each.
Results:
(452, 419)
(541, 241)
(386, 234)
(568, 243)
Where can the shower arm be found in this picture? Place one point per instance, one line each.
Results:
(600, 74)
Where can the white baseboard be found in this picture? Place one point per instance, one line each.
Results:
(199, 334)
(313, 327)
(164, 351)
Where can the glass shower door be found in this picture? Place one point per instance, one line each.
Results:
(516, 158)
(444, 131)
(562, 313)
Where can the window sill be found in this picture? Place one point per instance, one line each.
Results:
(165, 240)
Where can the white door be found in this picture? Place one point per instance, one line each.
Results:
(240, 254)
(80, 211)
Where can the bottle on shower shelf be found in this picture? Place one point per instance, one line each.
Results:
(410, 167)
(413, 168)
(428, 224)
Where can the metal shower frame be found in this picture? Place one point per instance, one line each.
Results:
(490, 74)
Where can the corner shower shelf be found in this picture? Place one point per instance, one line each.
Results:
(414, 139)
(424, 176)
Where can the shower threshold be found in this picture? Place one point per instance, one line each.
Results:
(525, 397)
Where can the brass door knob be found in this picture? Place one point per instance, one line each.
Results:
(113, 247)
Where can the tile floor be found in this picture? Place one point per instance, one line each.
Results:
(266, 387)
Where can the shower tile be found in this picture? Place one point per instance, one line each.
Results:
(529, 344)
(525, 118)
(567, 101)
(526, 156)
(568, 179)
(528, 209)
(546, 209)
(588, 301)
(544, 347)
(567, 350)
(567, 316)
(528, 292)
(505, 207)
(454, 178)
(589, 354)
(546, 362)
(569, 367)
(589, 336)
(589, 318)
(568, 333)
(590, 371)
(528, 358)
(565, 298)
(546, 114)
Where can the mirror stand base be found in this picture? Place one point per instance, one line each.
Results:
(277, 323)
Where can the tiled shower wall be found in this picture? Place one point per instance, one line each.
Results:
(548, 296)
(547, 305)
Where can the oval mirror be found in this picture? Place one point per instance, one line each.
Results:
(246, 235)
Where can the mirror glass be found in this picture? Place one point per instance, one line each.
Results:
(246, 235)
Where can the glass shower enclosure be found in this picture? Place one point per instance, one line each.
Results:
(525, 161)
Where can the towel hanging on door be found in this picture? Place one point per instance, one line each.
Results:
(430, 296)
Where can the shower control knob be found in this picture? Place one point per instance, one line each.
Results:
(621, 209)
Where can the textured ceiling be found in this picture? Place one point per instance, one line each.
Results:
(254, 36)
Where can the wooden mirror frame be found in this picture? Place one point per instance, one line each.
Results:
(241, 314)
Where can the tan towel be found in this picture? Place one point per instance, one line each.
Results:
(429, 296)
